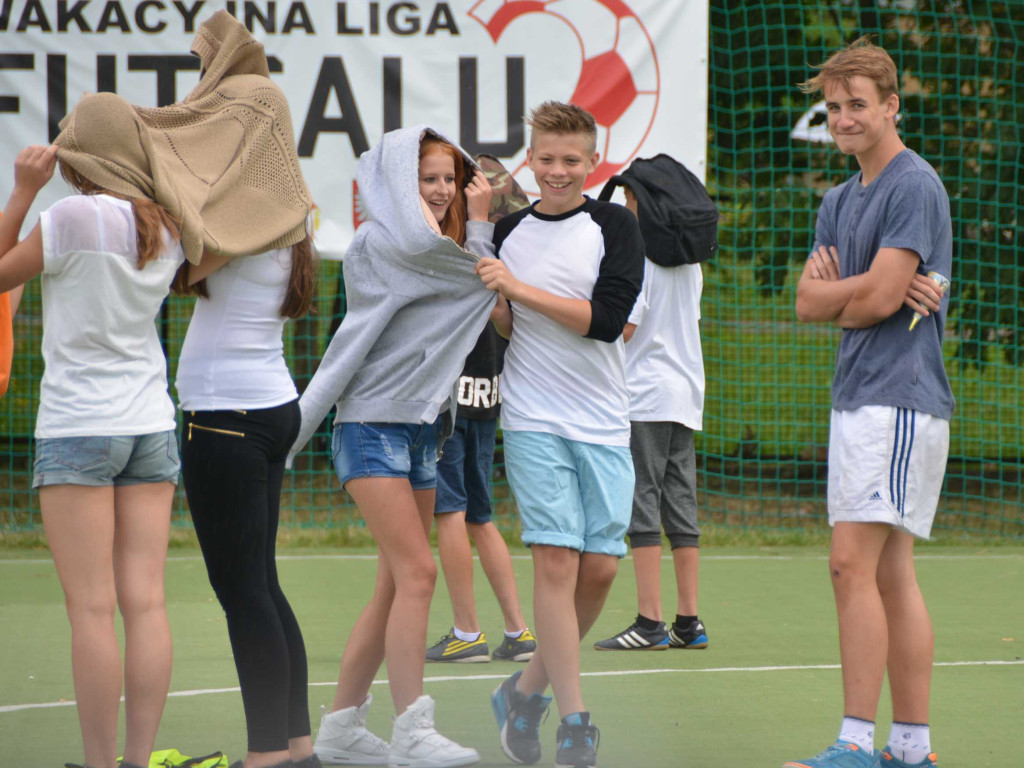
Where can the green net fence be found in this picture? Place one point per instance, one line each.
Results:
(961, 65)
(762, 454)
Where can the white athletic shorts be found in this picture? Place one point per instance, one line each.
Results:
(886, 465)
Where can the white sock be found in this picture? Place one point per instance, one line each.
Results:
(468, 637)
(859, 732)
(910, 742)
(515, 635)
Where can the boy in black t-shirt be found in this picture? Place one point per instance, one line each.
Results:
(463, 506)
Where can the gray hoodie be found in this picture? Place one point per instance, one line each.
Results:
(415, 306)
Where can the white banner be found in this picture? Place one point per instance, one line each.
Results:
(354, 70)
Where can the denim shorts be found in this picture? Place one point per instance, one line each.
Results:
(374, 449)
(102, 461)
(464, 471)
(569, 493)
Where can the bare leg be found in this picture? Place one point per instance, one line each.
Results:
(911, 640)
(557, 660)
(597, 572)
(863, 635)
(686, 561)
(457, 563)
(647, 565)
(143, 520)
(591, 579)
(497, 564)
(392, 510)
(300, 748)
(364, 651)
(79, 524)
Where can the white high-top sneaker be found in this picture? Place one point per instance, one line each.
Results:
(343, 738)
(415, 743)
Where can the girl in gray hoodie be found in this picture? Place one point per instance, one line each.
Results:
(415, 310)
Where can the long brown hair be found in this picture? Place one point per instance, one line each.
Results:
(298, 300)
(298, 297)
(151, 218)
(453, 224)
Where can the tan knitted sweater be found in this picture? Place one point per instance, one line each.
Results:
(223, 160)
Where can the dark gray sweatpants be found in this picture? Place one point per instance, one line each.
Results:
(665, 494)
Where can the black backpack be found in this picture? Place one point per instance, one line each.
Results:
(678, 220)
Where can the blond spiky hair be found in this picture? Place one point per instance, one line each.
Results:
(557, 117)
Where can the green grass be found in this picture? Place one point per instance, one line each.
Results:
(765, 607)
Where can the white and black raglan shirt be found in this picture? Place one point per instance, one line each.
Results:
(555, 380)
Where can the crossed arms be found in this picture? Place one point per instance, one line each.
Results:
(860, 301)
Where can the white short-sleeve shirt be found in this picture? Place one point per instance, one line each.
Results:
(105, 371)
(664, 361)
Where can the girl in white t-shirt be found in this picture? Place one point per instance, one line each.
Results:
(241, 415)
(106, 457)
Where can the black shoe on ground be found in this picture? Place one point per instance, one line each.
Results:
(636, 638)
(693, 636)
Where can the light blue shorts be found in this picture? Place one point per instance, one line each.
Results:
(570, 494)
(371, 449)
(101, 461)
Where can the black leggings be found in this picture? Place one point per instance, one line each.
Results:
(233, 467)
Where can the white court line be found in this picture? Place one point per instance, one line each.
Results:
(704, 558)
(610, 673)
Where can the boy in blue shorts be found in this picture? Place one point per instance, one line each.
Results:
(569, 272)
(878, 237)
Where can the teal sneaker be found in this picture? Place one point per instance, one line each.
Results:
(886, 759)
(842, 754)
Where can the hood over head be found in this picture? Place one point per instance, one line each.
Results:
(389, 192)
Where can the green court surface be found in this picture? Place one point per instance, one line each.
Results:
(766, 691)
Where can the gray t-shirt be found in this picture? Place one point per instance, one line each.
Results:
(906, 206)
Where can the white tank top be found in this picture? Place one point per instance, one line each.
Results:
(233, 355)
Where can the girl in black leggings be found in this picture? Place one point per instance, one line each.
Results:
(241, 417)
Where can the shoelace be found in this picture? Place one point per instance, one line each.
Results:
(529, 716)
(591, 733)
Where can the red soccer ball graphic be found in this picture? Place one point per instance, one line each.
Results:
(619, 82)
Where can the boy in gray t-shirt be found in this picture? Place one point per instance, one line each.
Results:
(880, 238)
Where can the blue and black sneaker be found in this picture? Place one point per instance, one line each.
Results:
(519, 717)
(693, 636)
(577, 742)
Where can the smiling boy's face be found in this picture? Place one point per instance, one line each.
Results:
(561, 163)
(859, 117)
